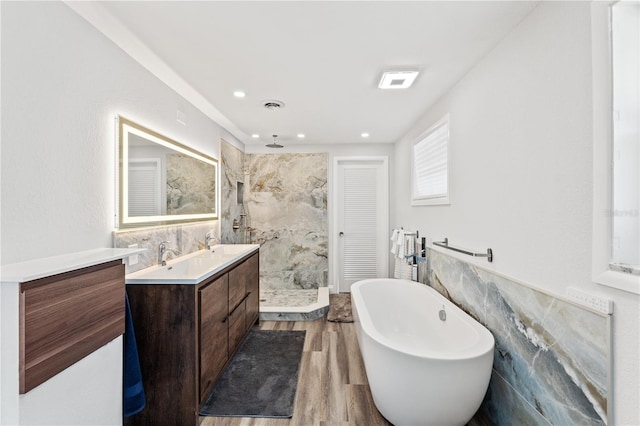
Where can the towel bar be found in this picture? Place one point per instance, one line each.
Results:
(445, 244)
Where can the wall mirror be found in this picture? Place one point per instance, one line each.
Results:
(162, 181)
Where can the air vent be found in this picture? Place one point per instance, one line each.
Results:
(397, 79)
(273, 104)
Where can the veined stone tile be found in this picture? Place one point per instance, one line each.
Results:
(191, 185)
(504, 406)
(553, 353)
(287, 172)
(287, 215)
(185, 238)
(232, 160)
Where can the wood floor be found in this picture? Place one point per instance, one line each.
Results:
(332, 386)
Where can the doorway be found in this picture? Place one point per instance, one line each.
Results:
(361, 212)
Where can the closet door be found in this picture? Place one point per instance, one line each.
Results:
(362, 220)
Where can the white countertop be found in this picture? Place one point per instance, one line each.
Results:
(193, 268)
(47, 266)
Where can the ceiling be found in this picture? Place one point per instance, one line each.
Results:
(323, 59)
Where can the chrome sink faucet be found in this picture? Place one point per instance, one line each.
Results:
(163, 251)
(210, 240)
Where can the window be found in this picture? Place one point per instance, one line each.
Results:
(616, 159)
(625, 247)
(430, 166)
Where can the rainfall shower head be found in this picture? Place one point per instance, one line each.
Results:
(275, 143)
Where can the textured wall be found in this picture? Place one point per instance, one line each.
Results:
(551, 357)
(232, 160)
(287, 210)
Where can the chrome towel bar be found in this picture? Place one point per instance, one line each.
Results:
(445, 244)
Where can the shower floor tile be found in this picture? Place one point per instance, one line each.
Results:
(288, 298)
(293, 305)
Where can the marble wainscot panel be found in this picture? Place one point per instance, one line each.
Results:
(232, 160)
(191, 185)
(552, 358)
(185, 238)
(287, 215)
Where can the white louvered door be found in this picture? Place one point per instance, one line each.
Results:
(144, 187)
(362, 214)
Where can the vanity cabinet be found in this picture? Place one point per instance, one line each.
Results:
(187, 334)
(213, 302)
(62, 320)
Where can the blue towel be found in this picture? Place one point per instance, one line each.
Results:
(133, 392)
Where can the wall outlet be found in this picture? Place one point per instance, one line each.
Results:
(133, 259)
(597, 303)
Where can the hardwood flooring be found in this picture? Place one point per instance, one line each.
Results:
(332, 385)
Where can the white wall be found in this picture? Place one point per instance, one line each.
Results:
(63, 83)
(521, 138)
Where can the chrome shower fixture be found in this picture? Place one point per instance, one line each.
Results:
(275, 143)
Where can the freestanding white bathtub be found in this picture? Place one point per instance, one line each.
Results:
(421, 370)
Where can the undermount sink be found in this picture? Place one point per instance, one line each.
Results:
(231, 249)
(192, 268)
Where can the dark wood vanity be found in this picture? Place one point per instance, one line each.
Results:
(186, 335)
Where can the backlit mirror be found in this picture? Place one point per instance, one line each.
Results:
(162, 181)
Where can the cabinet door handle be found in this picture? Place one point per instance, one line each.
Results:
(225, 319)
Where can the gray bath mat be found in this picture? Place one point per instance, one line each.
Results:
(340, 308)
(262, 378)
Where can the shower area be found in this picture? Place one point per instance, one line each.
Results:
(280, 202)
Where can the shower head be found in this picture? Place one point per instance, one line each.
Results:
(275, 143)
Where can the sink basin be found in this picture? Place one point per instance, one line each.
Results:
(232, 249)
(193, 268)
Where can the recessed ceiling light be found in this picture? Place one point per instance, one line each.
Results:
(397, 79)
(364, 135)
(255, 136)
(300, 135)
(239, 94)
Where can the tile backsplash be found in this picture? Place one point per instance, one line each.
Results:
(551, 360)
(185, 238)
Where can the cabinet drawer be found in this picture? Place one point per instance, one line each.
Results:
(66, 317)
(236, 326)
(241, 281)
(214, 332)
(253, 289)
(237, 290)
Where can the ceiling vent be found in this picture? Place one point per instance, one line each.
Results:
(397, 79)
(273, 104)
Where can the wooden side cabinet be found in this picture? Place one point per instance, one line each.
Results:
(186, 336)
(65, 317)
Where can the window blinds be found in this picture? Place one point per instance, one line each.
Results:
(431, 163)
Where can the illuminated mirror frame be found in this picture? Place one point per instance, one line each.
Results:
(124, 128)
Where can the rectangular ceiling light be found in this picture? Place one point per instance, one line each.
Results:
(397, 79)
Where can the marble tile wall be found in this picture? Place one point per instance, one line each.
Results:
(191, 185)
(233, 169)
(287, 214)
(186, 238)
(551, 360)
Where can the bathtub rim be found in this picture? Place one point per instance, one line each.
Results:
(485, 344)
